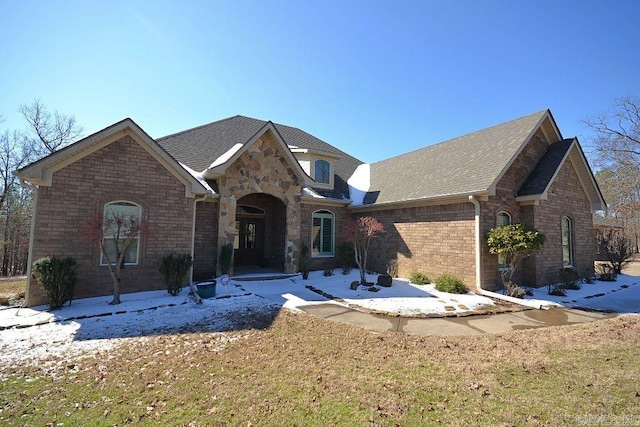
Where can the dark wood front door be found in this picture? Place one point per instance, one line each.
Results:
(249, 244)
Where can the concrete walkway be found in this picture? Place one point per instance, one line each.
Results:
(470, 325)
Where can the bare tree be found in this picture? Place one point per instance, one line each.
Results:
(121, 229)
(360, 232)
(51, 131)
(617, 132)
(617, 145)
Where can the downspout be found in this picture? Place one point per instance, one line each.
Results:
(478, 245)
(32, 234)
(192, 286)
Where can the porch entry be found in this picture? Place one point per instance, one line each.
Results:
(260, 232)
(249, 241)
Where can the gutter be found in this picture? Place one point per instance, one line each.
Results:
(192, 286)
(478, 244)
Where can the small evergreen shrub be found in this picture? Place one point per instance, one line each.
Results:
(606, 273)
(451, 284)
(419, 278)
(304, 261)
(175, 270)
(226, 254)
(347, 257)
(557, 291)
(569, 278)
(57, 277)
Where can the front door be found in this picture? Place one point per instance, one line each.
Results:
(249, 241)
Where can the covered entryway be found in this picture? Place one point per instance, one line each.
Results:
(260, 232)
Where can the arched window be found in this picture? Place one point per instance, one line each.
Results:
(567, 242)
(322, 234)
(502, 219)
(322, 171)
(118, 219)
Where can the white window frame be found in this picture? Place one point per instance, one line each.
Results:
(137, 244)
(501, 263)
(569, 240)
(323, 214)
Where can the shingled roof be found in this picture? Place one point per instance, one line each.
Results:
(538, 181)
(469, 164)
(199, 147)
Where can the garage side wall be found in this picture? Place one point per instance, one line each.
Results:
(432, 239)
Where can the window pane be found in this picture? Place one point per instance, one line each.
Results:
(322, 233)
(130, 256)
(322, 171)
(503, 219)
(327, 235)
(126, 211)
(567, 242)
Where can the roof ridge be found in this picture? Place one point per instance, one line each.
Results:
(541, 112)
(182, 132)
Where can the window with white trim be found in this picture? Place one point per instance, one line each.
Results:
(323, 232)
(567, 242)
(322, 171)
(502, 219)
(114, 236)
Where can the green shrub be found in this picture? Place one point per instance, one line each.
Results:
(304, 261)
(557, 291)
(451, 284)
(226, 254)
(606, 273)
(419, 278)
(347, 256)
(57, 277)
(569, 278)
(175, 270)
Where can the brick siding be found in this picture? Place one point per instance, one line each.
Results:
(432, 239)
(122, 170)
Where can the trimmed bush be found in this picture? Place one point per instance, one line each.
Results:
(226, 253)
(57, 277)
(175, 270)
(347, 256)
(451, 284)
(419, 278)
(304, 261)
(569, 278)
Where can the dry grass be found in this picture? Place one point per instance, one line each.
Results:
(303, 370)
(12, 290)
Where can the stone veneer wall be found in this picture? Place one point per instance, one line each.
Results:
(432, 239)
(80, 190)
(262, 168)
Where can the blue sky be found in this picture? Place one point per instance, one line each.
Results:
(374, 78)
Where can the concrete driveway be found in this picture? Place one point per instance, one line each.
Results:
(470, 325)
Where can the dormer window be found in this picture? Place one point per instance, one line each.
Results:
(322, 171)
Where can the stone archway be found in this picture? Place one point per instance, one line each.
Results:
(260, 231)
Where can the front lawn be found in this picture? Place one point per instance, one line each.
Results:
(304, 370)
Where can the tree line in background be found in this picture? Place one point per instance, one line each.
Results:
(617, 160)
(45, 132)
